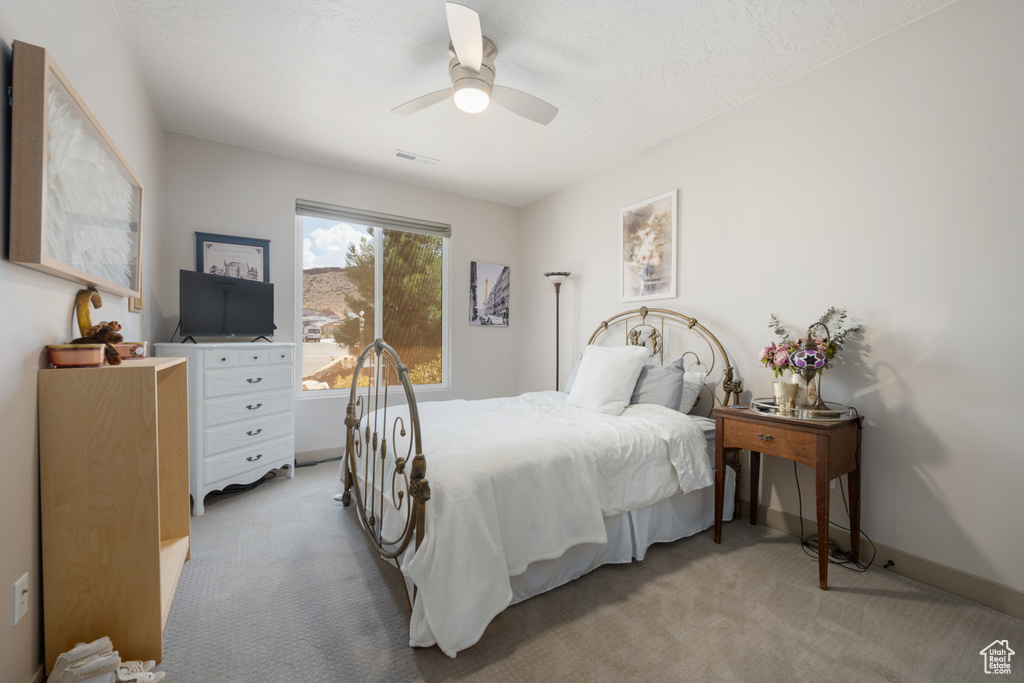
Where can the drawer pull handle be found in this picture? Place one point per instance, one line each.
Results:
(250, 380)
(255, 357)
(252, 459)
(252, 433)
(254, 407)
(765, 437)
(223, 359)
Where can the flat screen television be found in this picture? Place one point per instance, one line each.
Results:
(221, 306)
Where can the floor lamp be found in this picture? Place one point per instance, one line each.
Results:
(557, 279)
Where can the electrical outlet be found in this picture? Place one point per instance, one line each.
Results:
(20, 598)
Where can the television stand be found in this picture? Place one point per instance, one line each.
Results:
(263, 337)
(189, 339)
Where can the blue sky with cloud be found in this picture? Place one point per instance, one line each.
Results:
(325, 242)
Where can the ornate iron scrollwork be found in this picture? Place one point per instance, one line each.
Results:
(389, 495)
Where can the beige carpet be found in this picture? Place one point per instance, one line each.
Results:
(281, 587)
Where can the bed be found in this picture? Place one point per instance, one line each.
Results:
(530, 492)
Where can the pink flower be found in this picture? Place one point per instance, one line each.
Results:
(782, 357)
(766, 352)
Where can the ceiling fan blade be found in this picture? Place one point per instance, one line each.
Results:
(467, 38)
(524, 104)
(423, 101)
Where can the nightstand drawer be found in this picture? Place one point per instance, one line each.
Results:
(769, 438)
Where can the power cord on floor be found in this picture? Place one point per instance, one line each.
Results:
(836, 555)
(318, 462)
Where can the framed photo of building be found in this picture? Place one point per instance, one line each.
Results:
(488, 294)
(241, 257)
(649, 249)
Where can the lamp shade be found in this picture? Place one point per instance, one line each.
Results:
(557, 277)
(809, 359)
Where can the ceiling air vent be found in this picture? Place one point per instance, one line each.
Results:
(409, 156)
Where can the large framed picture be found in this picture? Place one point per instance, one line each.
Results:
(488, 294)
(76, 205)
(242, 257)
(649, 249)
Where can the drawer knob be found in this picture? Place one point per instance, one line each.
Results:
(252, 459)
(252, 433)
(765, 437)
(250, 380)
(254, 407)
(223, 359)
(255, 357)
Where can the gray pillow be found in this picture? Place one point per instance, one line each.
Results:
(660, 384)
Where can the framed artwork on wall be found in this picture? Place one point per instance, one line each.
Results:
(649, 249)
(76, 205)
(488, 294)
(242, 257)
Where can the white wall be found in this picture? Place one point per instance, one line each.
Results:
(212, 187)
(889, 182)
(85, 39)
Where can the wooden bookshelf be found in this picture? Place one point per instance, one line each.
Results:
(114, 484)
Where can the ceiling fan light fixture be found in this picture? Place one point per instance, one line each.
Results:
(471, 95)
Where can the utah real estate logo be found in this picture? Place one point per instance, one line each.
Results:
(997, 657)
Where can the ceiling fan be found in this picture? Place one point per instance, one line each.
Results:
(472, 74)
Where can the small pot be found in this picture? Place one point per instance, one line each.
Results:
(130, 350)
(75, 355)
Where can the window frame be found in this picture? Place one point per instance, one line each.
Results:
(371, 220)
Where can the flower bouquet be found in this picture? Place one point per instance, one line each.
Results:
(776, 356)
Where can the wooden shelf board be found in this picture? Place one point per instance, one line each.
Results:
(173, 553)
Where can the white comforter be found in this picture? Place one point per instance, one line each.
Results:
(515, 480)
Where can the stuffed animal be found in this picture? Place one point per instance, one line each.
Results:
(105, 333)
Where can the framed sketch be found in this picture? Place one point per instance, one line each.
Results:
(241, 257)
(488, 294)
(76, 205)
(649, 249)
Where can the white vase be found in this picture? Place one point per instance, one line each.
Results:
(808, 393)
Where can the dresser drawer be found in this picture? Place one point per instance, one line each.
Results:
(773, 439)
(230, 467)
(220, 358)
(281, 356)
(248, 380)
(221, 410)
(245, 432)
(254, 355)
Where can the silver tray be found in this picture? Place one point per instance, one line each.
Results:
(836, 411)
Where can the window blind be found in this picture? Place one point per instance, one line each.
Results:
(304, 207)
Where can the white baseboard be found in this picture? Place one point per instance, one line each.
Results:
(36, 677)
(982, 591)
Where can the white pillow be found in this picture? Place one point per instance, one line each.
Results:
(693, 382)
(606, 377)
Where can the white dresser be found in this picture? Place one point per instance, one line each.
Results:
(241, 412)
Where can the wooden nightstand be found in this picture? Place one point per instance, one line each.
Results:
(832, 448)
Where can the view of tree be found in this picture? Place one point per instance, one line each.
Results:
(411, 298)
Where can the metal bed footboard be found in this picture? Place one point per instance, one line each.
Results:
(384, 468)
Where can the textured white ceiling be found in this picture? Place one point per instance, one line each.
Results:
(316, 79)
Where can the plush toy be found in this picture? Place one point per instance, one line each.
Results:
(105, 333)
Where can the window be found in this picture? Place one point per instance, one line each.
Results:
(367, 275)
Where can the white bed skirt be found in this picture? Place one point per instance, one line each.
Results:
(629, 536)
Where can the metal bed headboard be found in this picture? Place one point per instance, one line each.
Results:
(658, 328)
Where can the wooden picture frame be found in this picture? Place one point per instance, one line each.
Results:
(242, 257)
(76, 204)
(648, 242)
